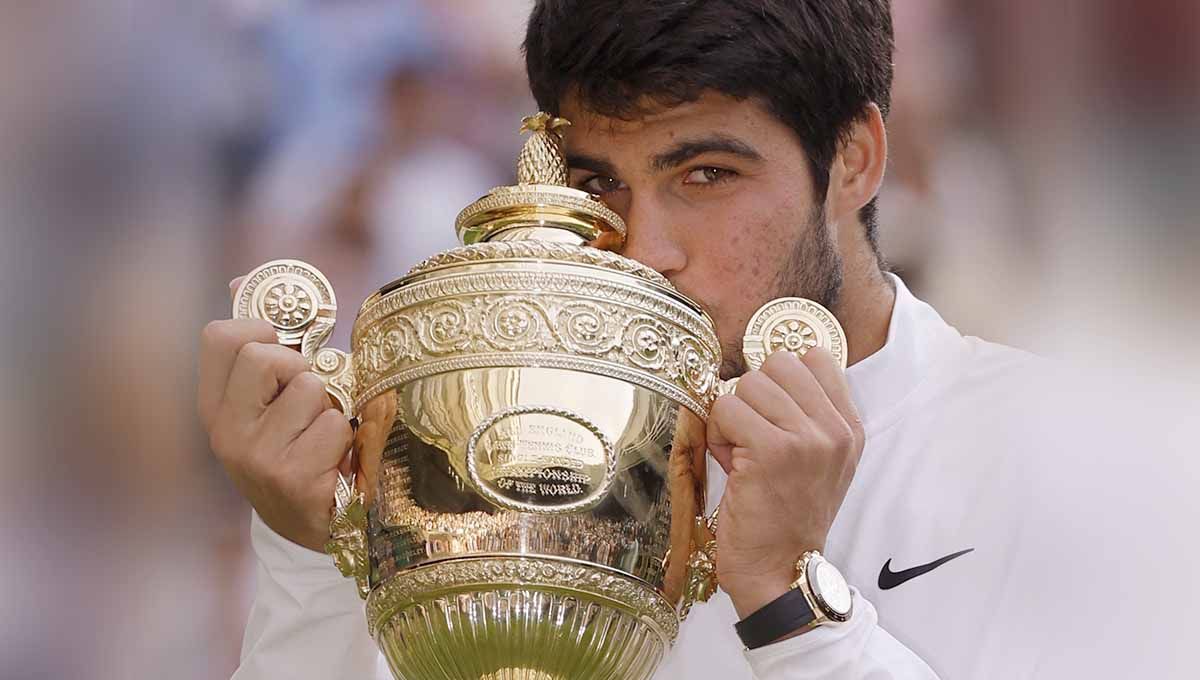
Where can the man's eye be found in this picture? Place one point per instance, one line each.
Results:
(708, 176)
(600, 184)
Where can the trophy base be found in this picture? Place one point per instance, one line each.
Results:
(540, 629)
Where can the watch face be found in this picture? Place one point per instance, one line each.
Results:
(830, 588)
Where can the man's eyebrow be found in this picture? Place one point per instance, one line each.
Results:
(687, 149)
(600, 166)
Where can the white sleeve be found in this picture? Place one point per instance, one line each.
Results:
(307, 621)
(856, 650)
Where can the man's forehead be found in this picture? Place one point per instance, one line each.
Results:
(654, 130)
(647, 114)
(587, 120)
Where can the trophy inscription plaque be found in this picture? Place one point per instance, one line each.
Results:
(518, 509)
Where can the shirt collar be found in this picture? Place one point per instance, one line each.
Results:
(918, 342)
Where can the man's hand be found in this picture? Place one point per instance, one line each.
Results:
(272, 426)
(790, 439)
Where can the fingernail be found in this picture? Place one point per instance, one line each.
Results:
(234, 281)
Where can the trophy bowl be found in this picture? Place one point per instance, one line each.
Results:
(528, 494)
(518, 511)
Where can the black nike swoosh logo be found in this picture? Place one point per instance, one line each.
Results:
(889, 579)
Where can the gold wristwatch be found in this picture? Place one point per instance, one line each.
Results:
(819, 595)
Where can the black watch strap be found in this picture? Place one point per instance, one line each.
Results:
(785, 614)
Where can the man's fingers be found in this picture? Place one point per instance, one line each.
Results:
(733, 424)
(296, 408)
(259, 373)
(220, 343)
(723, 455)
(833, 381)
(323, 445)
(764, 394)
(794, 376)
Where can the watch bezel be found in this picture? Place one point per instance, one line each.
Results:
(806, 569)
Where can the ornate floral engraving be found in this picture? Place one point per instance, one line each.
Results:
(791, 334)
(702, 565)
(696, 367)
(794, 325)
(488, 318)
(525, 278)
(646, 342)
(299, 302)
(347, 543)
(515, 323)
(292, 295)
(290, 304)
(417, 585)
(586, 328)
(444, 327)
(334, 367)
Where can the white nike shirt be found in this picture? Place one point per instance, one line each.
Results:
(1077, 506)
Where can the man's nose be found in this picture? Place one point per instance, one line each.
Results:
(651, 239)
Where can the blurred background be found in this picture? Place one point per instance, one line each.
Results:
(1042, 192)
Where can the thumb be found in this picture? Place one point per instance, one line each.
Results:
(720, 446)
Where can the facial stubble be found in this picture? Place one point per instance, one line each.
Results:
(813, 270)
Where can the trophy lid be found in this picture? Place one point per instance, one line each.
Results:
(538, 219)
(541, 205)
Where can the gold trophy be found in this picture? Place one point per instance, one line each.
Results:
(528, 494)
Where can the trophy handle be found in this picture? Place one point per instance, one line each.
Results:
(788, 324)
(702, 564)
(296, 298)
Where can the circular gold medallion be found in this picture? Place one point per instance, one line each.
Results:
(288, 293)
(795, 325)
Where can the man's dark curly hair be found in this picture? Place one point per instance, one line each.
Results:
(816, 64)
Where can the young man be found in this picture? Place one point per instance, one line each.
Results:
(743, 143)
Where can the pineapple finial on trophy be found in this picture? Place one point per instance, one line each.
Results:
(541, 206)
(541, 160)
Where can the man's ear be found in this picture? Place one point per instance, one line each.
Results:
(857, 171)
